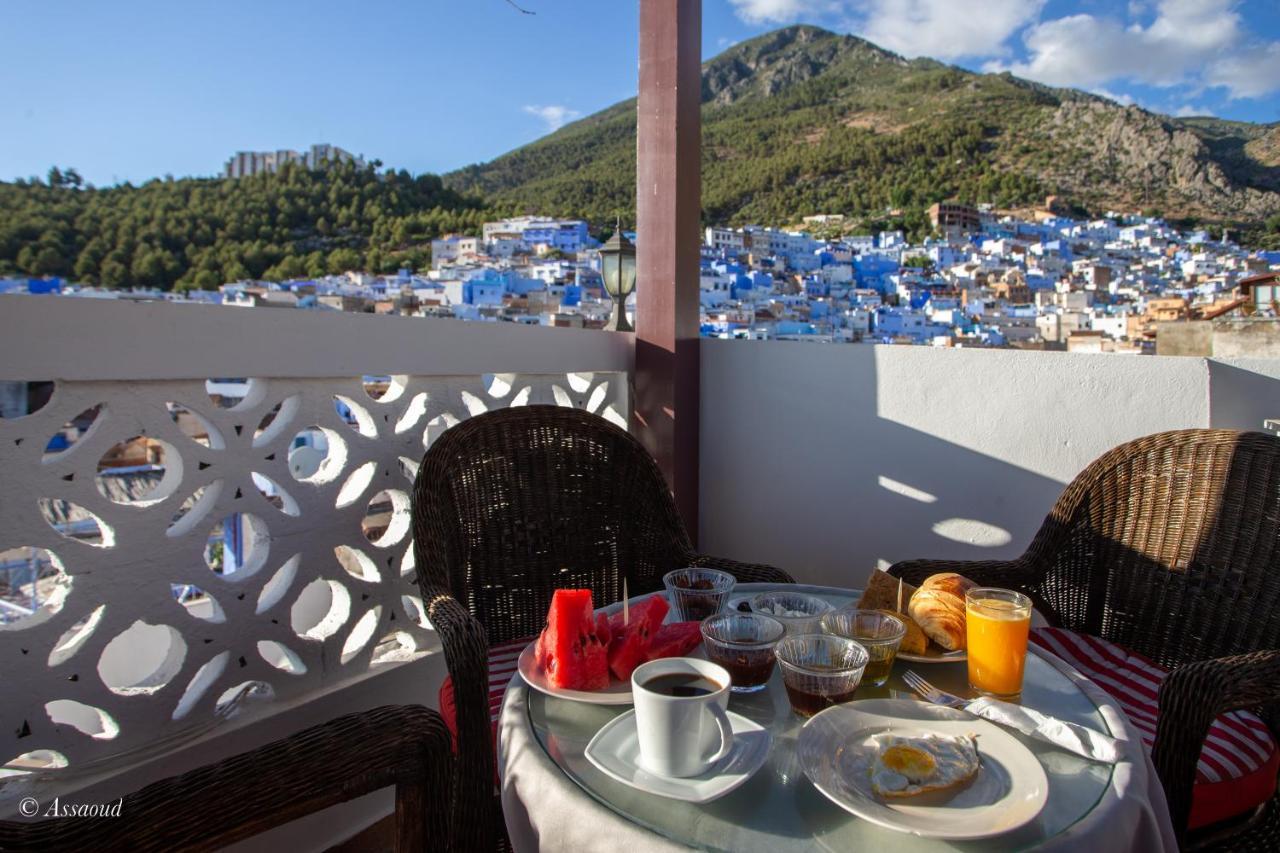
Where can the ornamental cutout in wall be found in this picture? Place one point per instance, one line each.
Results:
(168, 548)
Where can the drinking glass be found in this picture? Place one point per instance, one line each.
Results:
(696, 594)
(819, 670)
(879, 633)
(743, 644)
(997, 624)
(798, 612)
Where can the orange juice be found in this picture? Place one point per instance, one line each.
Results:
(997, 624)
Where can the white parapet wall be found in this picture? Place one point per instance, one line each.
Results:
(832, 460)
(266, 542)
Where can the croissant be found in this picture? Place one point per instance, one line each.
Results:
(950, 582)
(938, 608)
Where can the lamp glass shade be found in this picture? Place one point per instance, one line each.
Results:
(626, 274)
(611, 269)
(618, 265)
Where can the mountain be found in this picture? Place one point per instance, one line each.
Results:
(802, 121)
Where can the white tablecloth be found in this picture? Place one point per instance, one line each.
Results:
(546, 810)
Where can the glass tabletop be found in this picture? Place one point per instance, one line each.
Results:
(778, 809)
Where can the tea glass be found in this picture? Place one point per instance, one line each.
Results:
(696, 594)
(820, 670)
(879, 633)
(808, 610)
(743, 644)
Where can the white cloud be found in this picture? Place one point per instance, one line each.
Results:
(1190, 110)
(784, 11)
(554, 115)
(944, 29)
(1119, 97)
(1196, 43)
(1249, 73)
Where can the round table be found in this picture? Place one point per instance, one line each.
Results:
(555, 799)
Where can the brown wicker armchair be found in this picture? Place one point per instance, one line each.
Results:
(1170, 546)
(512, 504)
(239, 797)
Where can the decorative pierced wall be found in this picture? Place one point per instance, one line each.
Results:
(157, 613)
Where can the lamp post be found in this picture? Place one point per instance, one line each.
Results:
(618, 269)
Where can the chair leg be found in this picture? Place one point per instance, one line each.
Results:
(411, 819)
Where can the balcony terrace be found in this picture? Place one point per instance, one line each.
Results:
(151, 653)
(826, 460)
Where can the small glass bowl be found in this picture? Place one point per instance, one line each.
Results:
(879, 633)
(696, 594)
(820, 670)
(743, 644)
(809, 607)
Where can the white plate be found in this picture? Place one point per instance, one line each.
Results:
(1008, 791)
(933, 653)
(616, 747)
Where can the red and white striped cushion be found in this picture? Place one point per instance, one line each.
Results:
(1239, 761)
(503, 662)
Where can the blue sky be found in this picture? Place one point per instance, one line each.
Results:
(134, 89)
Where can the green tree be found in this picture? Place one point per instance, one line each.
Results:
(343, 260)
(113, 274)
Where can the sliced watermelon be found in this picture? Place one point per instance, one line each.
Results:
(675, 640)
(629, 646)
(571, 649)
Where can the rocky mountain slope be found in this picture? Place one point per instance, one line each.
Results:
(802, 120)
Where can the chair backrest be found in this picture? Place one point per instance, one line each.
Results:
(1170, 545)
(513, 504)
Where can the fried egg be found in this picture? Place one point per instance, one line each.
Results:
(907, 766)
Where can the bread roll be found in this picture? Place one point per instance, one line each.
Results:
(938, 608)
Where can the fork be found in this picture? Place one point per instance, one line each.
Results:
(1069, 736)
(932, 694)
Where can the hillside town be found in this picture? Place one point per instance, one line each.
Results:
(1123, 283)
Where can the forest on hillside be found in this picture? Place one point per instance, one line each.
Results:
(203, 232)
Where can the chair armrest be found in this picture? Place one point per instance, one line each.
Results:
(1189, 700)
(744, 572)
(1010, 574)
(466, 653)
(241, 796)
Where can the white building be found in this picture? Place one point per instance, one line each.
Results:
(245, 163)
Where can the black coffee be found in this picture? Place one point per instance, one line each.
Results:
(681, 684)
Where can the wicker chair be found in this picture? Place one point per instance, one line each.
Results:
(239, 797)
(511, 505)
(1170, 546)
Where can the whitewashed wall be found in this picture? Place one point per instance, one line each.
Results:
(830, 460)
(115, 670)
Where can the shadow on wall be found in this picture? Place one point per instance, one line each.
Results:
(1244, 393)
(829, 461)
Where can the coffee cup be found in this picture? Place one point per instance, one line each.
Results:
(682, 719)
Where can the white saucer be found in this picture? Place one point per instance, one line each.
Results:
(615, 749)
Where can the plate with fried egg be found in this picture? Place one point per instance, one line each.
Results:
(923, 769)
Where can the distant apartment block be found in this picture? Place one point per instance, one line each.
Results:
(245, 163)
(954, 220)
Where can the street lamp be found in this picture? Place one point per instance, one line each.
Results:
(618, 268)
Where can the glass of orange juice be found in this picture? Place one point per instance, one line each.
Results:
(997, 623)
